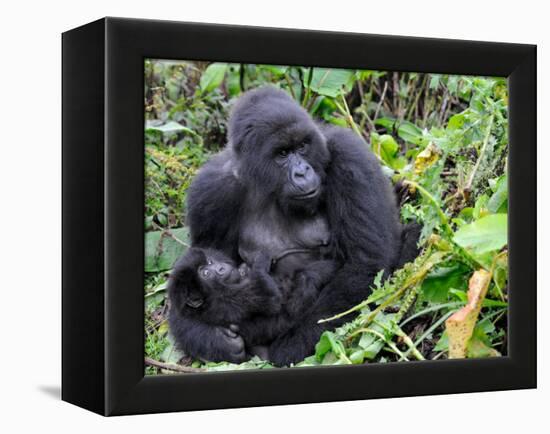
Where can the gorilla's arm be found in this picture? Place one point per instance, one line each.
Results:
(213, 207)
(213, 203)
(200, 340)
(366, 233)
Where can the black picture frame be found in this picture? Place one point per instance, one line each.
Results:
(103, 178)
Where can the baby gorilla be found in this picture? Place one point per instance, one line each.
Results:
(207, 285)
(242, 304)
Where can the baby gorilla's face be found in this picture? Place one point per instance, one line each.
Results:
(222, 272)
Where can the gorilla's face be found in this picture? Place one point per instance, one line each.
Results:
(281, 154)
(299, 180)
(203, 272)
(218, 270)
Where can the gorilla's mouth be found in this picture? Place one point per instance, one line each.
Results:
(309, 195)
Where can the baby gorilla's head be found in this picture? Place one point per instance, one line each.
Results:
(217, 269)
(202, 272)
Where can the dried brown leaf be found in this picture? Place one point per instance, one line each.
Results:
(460, 325)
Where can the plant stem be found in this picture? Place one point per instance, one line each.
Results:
(431, 199)
(290, 88)
(433, 327)
(395, 329)
(431, 309)
(379, 335)
(346, 112)
(414, 279)
(446, 226)
(380, 102)
(481, 154)
(172, 366)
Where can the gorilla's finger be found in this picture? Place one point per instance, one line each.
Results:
(234, 328)
(229, 333)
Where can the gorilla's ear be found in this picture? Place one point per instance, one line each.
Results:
(185, 288)
(185, 291)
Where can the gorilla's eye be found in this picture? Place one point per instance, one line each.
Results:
(206, 273)
(302, 147)
(282, 153)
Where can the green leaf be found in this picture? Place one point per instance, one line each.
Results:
(435, 287)
(171, 354)
(162, 249)
(409, 132)
(434, 81)
(387, 123)
(329, 342)
(357, 357)
(371, 344)
(275, 69)
(213, 76)
(499, 200)
(405, 129)
(331, 82)
(479, 345)
(442, 343)
(456, 121)
(487, 234)
(387, 149)
(170, 127)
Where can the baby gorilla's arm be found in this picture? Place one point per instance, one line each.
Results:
(308, 283)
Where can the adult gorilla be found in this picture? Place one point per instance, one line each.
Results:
(303, 193)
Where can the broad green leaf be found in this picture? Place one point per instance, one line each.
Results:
(405, 129)
(387, 149)
(213, 76)
(387, 123)
(435, 287)
(499, 200)
(456, 121)
(274, 69)
(409, 132)
(171, 354)
(480, 207)
(328, 342)
(331, 82)
(434, 81)
(163, 248)
(371, 344)
(170, 127)
(479, 344)
(442, 343)
(479, 349)
(487, 234)
(357, 357)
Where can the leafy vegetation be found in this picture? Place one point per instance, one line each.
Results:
(443, 140)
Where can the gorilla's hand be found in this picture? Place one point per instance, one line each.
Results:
(262, 262)
(230, 343)
(303, 294)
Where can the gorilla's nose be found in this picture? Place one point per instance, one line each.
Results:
(301, 175)
(221, 269)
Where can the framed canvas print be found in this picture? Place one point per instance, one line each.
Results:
(258, 216)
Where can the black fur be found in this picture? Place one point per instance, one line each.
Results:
(244, 200)
(222, 304)
(245, 302)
